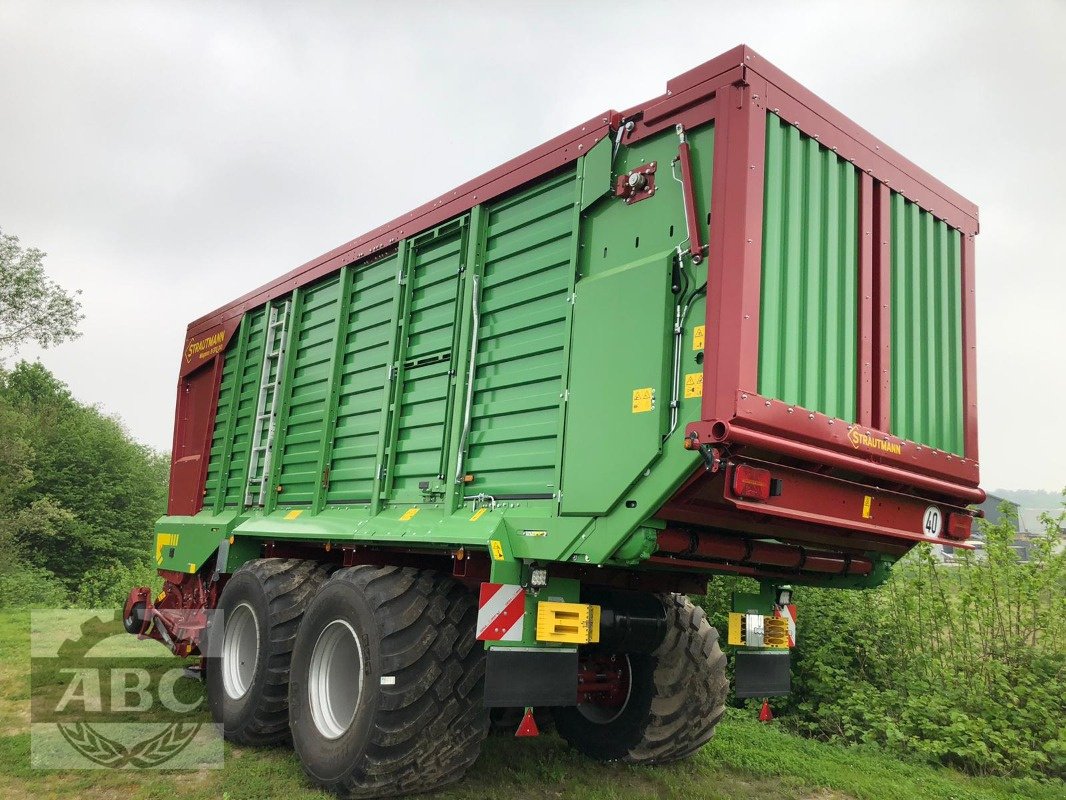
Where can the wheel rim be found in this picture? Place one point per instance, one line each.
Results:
(605, 685)
(240, 651)
(335, 679)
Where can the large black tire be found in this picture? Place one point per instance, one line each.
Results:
(265, 598)
(676, 697)
(387, 683)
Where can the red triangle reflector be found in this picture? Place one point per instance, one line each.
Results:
(528, 726)
(765, 714)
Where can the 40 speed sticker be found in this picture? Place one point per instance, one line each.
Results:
(932, 522)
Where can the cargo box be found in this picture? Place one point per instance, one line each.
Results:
(726, 315)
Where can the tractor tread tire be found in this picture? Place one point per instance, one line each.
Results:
(288, 585)
(683, 690)
(690, 687)
(427, 728)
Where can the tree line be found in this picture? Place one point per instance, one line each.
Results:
(78, 496)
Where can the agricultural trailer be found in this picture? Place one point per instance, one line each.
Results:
(478, 457)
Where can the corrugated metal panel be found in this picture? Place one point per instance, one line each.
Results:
(423, 409)
(307, 393)
(361, 398)
(237, 398)
(249, 394)
(226, 390)
(926, 328)
(808, 336)
(521, 355)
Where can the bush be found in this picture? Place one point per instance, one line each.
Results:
(108, 587)
(24, 586)
(961, 665)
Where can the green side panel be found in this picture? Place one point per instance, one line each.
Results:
(226, 391)
(614, 233)
(622, 338)
(246, 400)
(308, 392)
(361, 398)
(421, 439)
(926, 328)
(610, 438)
(808, 333)
(521, 354)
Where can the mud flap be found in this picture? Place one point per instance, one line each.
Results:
(527, 677)
(762, 673)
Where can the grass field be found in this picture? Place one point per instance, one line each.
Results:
(745, 760)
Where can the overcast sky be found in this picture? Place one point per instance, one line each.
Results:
(171, 156)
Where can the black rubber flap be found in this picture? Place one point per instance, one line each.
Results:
(530, 678)
(762, 673)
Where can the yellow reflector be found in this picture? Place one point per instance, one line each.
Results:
(736, 630)
(570, 623)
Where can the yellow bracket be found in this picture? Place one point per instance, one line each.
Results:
(570, 623)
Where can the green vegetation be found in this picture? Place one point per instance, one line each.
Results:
(33, 308)
(961, 665)
(78, 497)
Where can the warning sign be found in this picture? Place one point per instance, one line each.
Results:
(698, 334)
(643, 400)
(694, 384)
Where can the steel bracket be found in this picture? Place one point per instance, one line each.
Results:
(637, 184)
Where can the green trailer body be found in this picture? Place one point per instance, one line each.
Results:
(726, 331)
(396, 425)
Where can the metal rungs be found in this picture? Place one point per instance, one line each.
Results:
(270, 379)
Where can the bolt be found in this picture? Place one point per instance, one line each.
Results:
(637, 181)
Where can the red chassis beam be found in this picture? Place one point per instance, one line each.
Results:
(808, 508)
(806, 435)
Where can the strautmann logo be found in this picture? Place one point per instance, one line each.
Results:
(101, 699)
(859, 439)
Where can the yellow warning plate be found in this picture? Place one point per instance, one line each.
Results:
(694, 384)
(497, 549)
(643, 400)
(698, 335)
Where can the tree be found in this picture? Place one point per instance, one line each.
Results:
(90, 495)
(33, 307)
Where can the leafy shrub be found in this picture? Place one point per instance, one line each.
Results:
(962, 665)
(24, 586)
(108, 586)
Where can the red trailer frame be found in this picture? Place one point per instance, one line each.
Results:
(736, 90)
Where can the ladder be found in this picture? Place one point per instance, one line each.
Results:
(266, 408)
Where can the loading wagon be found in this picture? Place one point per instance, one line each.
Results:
(479, 457)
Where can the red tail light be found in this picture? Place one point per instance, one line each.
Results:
(751, 483)
(959, 526)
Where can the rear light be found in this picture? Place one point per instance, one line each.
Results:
(959, 526)
(751, 483)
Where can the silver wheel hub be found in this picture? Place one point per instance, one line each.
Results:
(335, 679)
(240, 651)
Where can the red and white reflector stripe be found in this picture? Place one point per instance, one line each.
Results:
(788, 613)
(501, 612)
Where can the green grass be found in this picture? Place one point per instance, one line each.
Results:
(745, 760)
